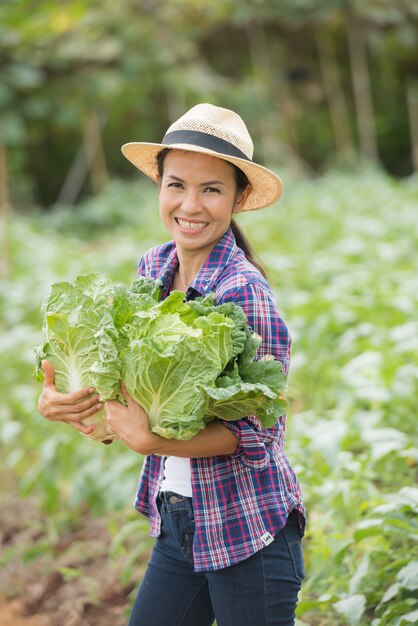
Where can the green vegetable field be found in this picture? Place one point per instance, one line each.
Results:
(341, 252)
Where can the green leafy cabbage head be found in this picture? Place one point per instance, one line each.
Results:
(186, 363)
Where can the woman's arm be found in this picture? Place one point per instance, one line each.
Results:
(213, 440)
(131, 424)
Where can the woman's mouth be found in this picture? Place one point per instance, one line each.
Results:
(187, 225)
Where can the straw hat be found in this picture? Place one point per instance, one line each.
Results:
(218, 132)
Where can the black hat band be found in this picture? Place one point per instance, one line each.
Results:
(204, 140)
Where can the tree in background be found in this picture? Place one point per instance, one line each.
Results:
(319, 82)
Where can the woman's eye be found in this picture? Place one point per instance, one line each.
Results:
(212, 189)
(175, 185)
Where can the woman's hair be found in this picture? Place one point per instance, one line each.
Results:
(242, 181)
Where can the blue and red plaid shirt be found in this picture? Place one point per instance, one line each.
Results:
(240, 500)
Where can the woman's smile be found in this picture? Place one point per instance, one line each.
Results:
(190, 225)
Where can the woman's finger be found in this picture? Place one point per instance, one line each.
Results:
(109, 404)
(77, 407)
(79, 417)
(131, 402)
(82, 428)
(129, 399)
(73, 398)
(49, 374)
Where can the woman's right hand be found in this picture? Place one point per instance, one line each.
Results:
(70, 408)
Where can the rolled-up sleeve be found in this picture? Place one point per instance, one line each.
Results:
(263, 318)
(252, 448)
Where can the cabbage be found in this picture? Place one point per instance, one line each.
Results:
(81, 323)
(185, 363)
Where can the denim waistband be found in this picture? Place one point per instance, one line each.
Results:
(170, 497)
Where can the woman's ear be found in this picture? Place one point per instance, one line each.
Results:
(242, 198)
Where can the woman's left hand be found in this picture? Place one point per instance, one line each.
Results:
(130, 423)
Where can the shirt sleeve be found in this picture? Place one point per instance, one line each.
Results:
(260, 308)
(142, 268)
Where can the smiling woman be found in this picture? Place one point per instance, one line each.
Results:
(225, 505)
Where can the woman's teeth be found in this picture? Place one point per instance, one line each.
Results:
(191, 225)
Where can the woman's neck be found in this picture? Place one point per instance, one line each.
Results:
(189, 266)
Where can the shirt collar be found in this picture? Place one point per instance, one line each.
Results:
(219, 257)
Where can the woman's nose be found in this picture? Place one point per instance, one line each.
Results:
(191, 202)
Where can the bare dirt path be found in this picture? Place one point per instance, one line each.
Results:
(64, 577)
(11, 615)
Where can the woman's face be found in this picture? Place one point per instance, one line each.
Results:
(198, 193)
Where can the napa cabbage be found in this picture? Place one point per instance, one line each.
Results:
(185, 362)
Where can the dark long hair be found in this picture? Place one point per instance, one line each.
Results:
(242, 182)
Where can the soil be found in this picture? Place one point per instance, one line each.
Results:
(61, 571)
(12, 614)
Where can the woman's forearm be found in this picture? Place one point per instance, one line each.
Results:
(213, 440)
(130, 422)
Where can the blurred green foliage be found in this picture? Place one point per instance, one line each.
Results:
(340, 251)
(289, 67)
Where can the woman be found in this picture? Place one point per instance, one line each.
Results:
(225, 506)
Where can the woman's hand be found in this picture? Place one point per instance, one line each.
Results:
(70, 408)
(130, 423)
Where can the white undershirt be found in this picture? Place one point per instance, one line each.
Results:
(177, 476)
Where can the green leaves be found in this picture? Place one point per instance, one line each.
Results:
(170, 353)
(181, 363)
(352, 608)
(237, 401)
(408, 576)
(168, 384)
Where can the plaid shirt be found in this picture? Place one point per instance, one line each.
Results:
(240, 500)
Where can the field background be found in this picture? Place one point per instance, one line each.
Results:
(340, 248)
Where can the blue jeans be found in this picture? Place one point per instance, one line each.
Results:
(262, 590)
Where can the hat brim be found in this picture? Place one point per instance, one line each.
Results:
(267, 186)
